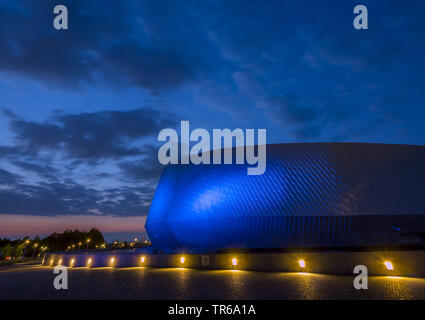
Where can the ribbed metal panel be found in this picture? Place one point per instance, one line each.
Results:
(308, 196)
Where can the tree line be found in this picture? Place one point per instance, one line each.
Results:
(31, 248)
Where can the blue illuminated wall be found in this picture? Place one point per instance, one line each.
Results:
(311, 195)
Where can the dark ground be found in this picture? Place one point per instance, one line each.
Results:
(36, 282)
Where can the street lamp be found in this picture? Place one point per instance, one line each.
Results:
(79, 245)
(88, 240)
(25, 248)
(35, 248)
(43, 252)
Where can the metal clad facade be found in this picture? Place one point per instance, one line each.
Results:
(311, 194)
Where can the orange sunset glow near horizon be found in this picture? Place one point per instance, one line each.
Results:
(13, 225)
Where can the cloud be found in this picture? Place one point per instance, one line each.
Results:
(92, 136)
(288, 108)
(8, 178)
(70, 198)
(82, 164)
(104, 44)
(37, 136)
(145, 168)
(45, 171)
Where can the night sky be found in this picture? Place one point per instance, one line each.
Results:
(80, 109)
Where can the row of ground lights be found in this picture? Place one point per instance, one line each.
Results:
(234, 261)
(89, 262)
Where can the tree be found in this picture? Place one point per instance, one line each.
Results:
(7, 251)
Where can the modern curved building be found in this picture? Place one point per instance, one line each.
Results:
(315, 195)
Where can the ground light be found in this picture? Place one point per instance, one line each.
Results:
(72, 263)
(60, 262)
(234, 261)
(112, 261)
(89, 262)
(142, 259)
(389, 265)
(51, 262)
(301, 262)
(182, 260)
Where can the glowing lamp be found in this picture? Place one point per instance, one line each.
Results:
(112, 261)
(234, 261)
(389, 265)
(181, 260)
(301, 262)
(142, 259)
(89, 262)
(72, 262)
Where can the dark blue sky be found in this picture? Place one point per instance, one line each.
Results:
(81, 108)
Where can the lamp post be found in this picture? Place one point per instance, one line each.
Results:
(35, 248)
(43, 252)
(25, 248)
(79, 245)
(88, 240)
